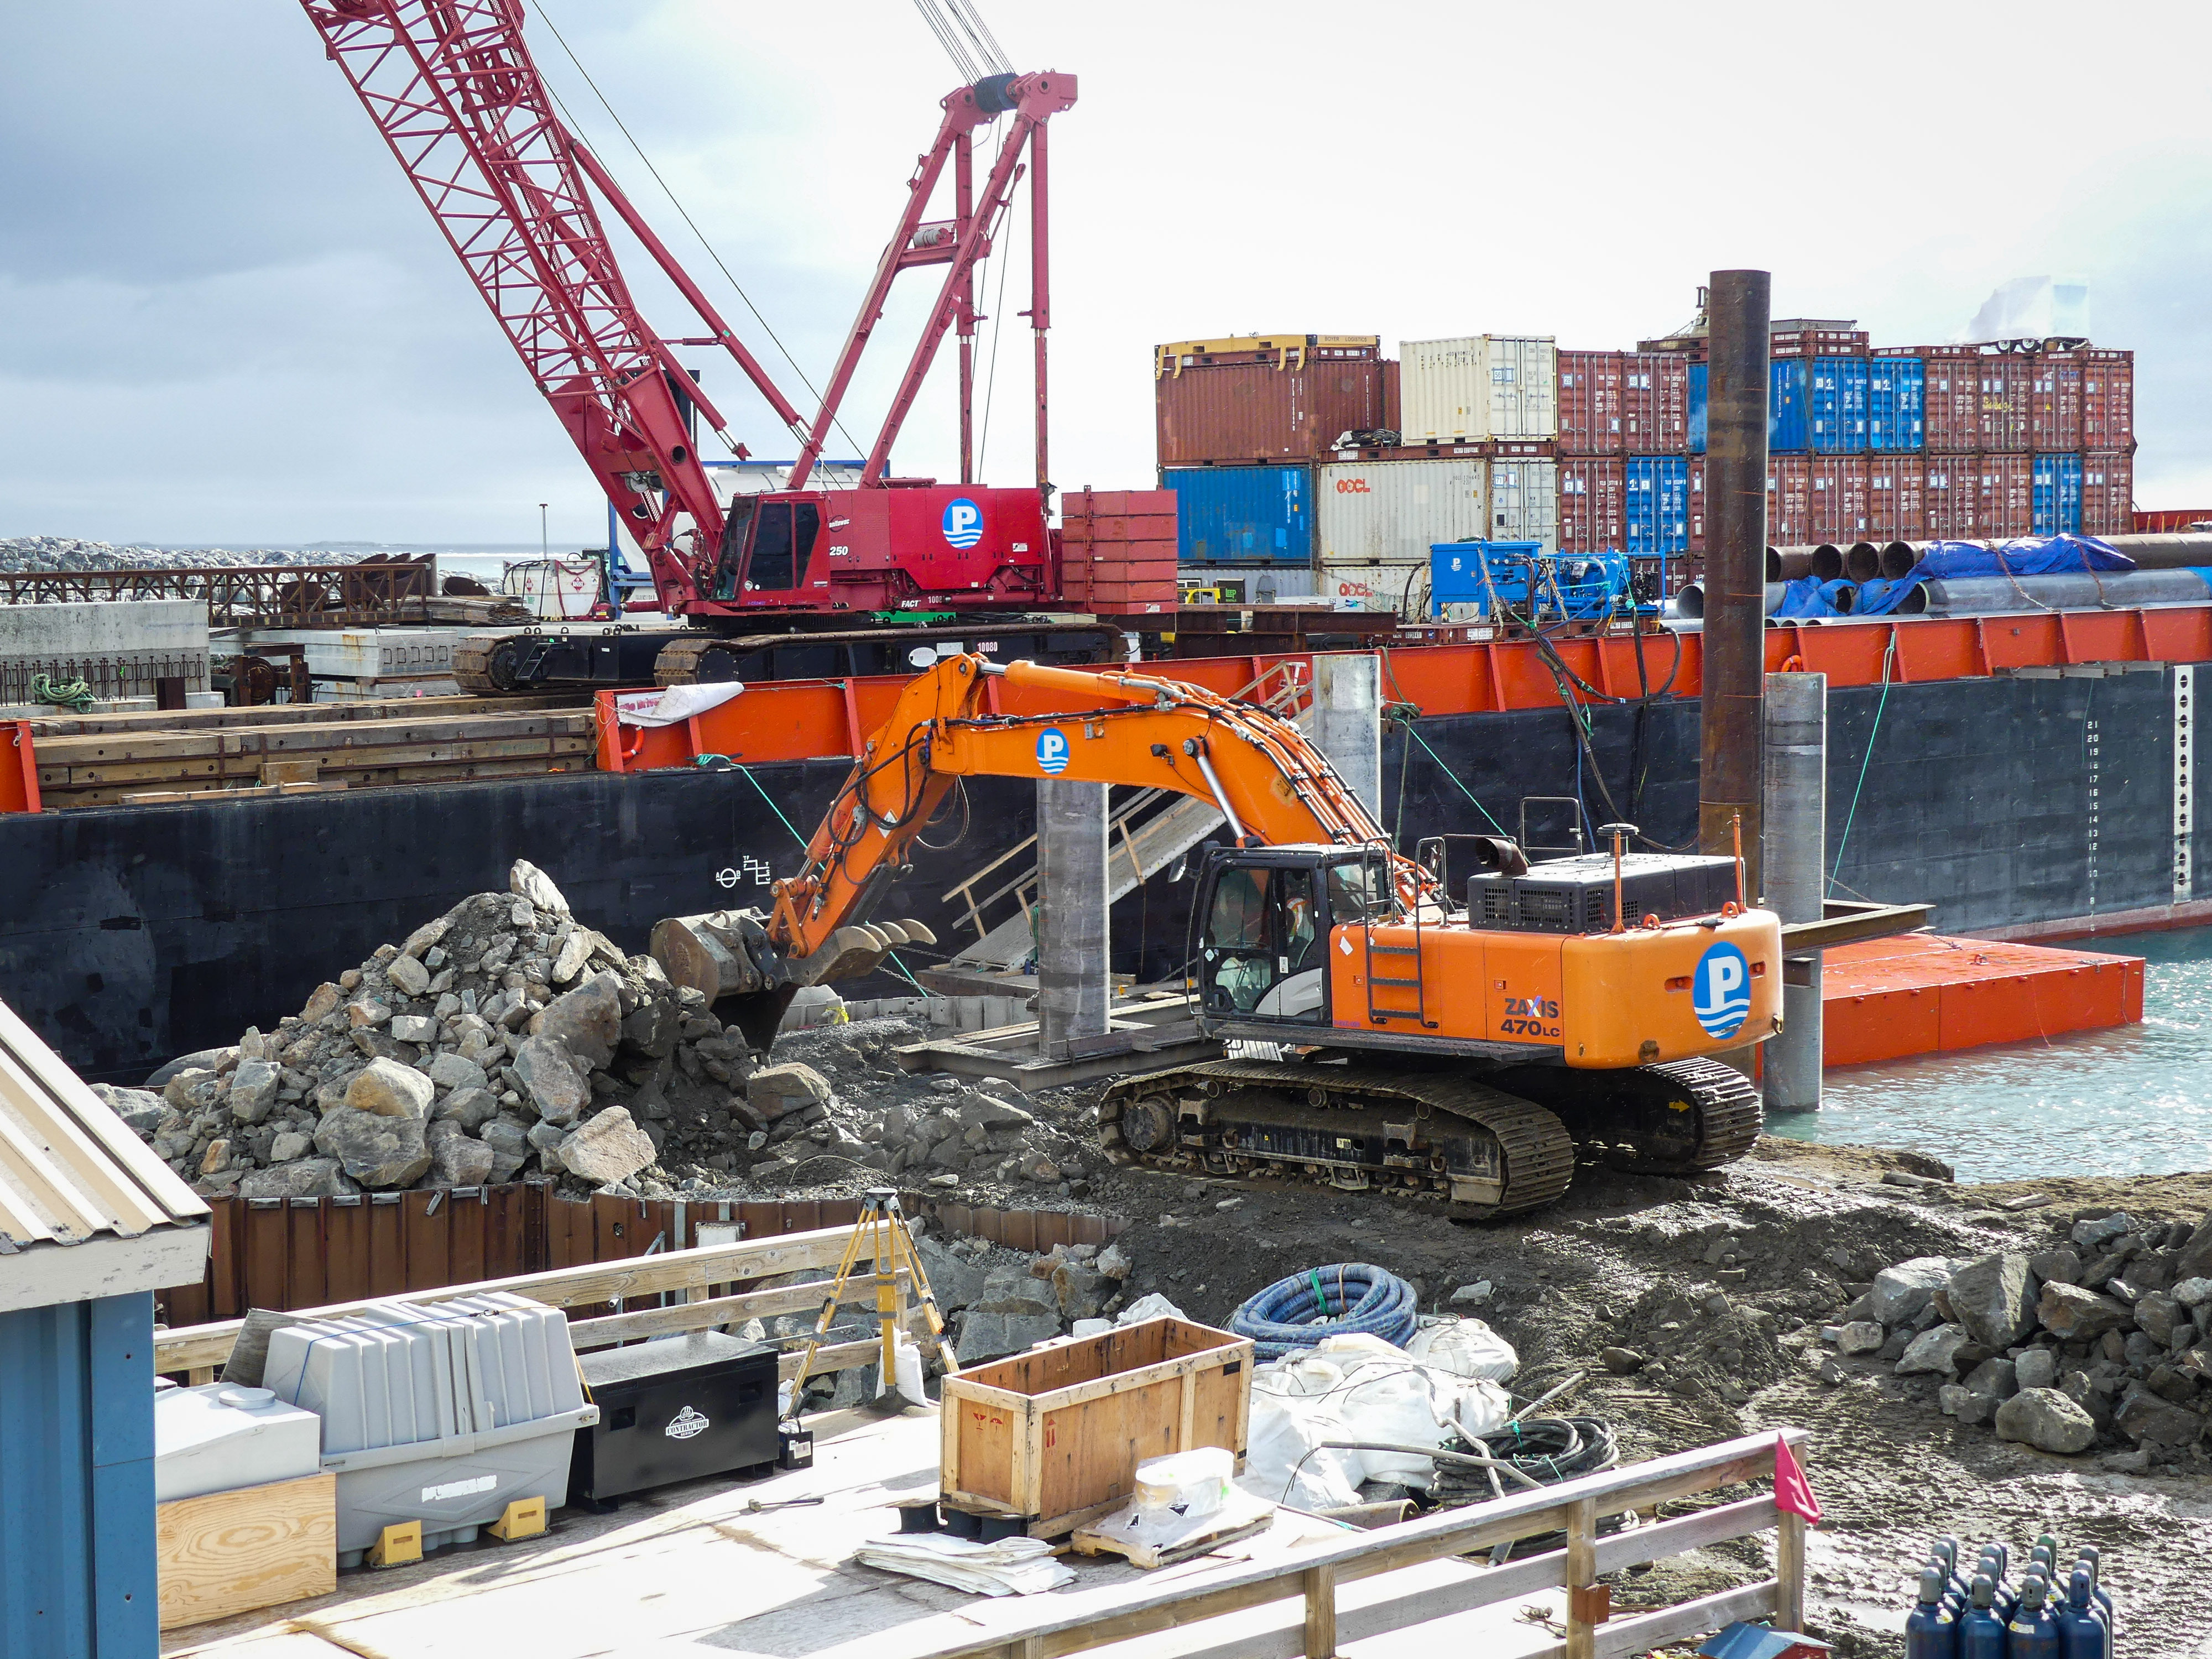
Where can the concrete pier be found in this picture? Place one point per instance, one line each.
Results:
(1796, 764)
(1072, 929)
(1347, 721)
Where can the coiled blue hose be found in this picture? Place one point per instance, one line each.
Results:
(1300, 1312)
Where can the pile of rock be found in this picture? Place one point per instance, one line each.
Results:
(1000, 1301)
(67, 553)
(2107, 1333)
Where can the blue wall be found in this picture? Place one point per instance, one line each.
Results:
(1836, 404)
(2055, 480)
(1897, 401)
(76, 1481)
(1243, 514)
(1656, 509)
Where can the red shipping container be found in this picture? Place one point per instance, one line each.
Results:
(1948, 495)
(2003, 499)
(1589, 403)
(2054, 402)
(1817, 343)
(2108, 400)
(2003, 379)
(1087, 503)
(1839, 512)
(1593, 496)
(2108, 479)
(1390, 394)
(1896, 498)
(1953, 410)
(1264, 411)
(1698, 506)
(1654, 402)
(1789, 500)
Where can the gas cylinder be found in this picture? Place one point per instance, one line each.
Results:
(2081, 1632)
(1981, 1632)
(2089, 1558)
(1991, 1565)
(2031, 1632)
(1931, 1629)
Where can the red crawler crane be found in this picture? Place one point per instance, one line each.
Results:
(452, 88)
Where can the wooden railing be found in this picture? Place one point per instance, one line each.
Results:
(1307, 1581)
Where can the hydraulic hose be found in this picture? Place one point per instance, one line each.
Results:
(1307, 1307)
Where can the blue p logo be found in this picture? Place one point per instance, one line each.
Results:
(1720, 991)
(963, 523)
(1052, 751)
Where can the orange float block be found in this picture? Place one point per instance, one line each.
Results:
(1921, 994)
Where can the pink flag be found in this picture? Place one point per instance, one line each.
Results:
(1793, 1493)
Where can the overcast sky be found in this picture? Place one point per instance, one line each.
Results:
(225, 317)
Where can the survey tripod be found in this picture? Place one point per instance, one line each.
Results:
(882, 1225)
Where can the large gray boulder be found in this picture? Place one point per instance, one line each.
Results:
(1994, 1298)
(1900, 1292)
(451, 1071)
(2068, 1310)
(2147, 1420)
(953, 1279)
(2193, 1259)
(379, 1151)
(2156, 1315)
(588, 1020)
(1935, 1350)
(387, 1089)
(304, 1177)
(460, 1160)
(253, 1090)
(775, 1092)
(510, 1147)
(408, 974)
(548, 1080)
(994, 1335)
(140, 1109)
(526, 881)
(606, 1147)
(470, 1107)
(2046, 1419)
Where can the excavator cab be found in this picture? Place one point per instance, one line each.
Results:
(1263, 920)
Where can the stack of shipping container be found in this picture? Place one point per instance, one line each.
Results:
(1310, 466)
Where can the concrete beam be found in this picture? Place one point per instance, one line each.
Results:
(1796, 822)
(1071, 931)
(1347, 721)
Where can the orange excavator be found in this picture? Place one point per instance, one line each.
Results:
(1454, 1036)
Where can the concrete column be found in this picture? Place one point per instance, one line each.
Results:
(1072, 932)
(1796, 835)
(1347, 721)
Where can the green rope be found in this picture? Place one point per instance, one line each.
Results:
(1453, 775)
(746, 773)
(1836, 874)
(75, 696)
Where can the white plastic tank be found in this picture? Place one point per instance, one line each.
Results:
(225, 1435)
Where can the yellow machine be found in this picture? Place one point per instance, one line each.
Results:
(1459, 1022)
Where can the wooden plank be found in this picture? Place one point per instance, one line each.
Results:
(1639, 1545)
(1320, 1586)
(1789, 1571)
(232, 1552)
(288, 713)
(1626, 1637)
(718, 1310)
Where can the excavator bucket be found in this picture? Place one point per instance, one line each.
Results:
(725, 956)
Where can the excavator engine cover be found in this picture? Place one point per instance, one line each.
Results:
(1575, 896)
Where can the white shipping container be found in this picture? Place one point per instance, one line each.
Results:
(1354, 585)
(1392, 511)
(1524, 502)
(1478, 386)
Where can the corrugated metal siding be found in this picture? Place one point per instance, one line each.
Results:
(2108, 493)
(77, 1574)
(1478, 385)
(1836, 404)
(1897, 507)
(1840, 512)
(1788, 428)
(1656, 516)
(1353, 584)
(1264, 411)
(69, 1168)
(1393, 511)
(1897, 396)
(1697, 377)
(1954, 393)
(1949, 493)
(1592, 492)
(1243, 514)
(2108, 400)
(1788, 500)
(2003, 379)
(2056, 482)
(1524, 503)
(2054, 402)
(2004, 496)
(1654, 402)
(1589, 401)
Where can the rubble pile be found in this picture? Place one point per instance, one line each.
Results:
(506, 1039)
(2104, 1336)
(29, 553)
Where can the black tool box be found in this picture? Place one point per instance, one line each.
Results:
(674, 1410)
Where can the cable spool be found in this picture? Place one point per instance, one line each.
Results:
(1348, 1297)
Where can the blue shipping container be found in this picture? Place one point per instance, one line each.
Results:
(1656, 515)
(1243, 514)
(1836, 404)
(1699, 381)
(1787, 425)
(1897, 399)
(2055, 480)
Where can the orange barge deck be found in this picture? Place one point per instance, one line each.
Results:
(1922, 994)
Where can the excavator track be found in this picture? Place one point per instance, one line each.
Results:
(1681, 1118)
(480, 666)
(1423, 1137)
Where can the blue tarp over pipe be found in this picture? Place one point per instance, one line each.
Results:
(2040, 556)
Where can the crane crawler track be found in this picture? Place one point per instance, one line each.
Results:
(1423, 1137)
(1680, 1117)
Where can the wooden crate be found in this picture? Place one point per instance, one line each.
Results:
(1054, 1437)
(232, 1552)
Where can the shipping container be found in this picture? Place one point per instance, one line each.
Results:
(1789, 422)
(1264, 411)
(1478, 385)
(1803, 336)
(2003, 497)
(1244, 584)
(1697, 498)
(1589, 403)
(2108, 401)
(1654, 402)
(1524, 503)
(1657, 514)
(1841, 485)
(1293, 350)
(2055, 480)
(1698, 379)
(1897, 395)
(2107, 485)
(1947, 492)
(1395, 511)
(2003, 378)
(1591, 496)
(1355, 585)
(1243, 514)
(1390, 404)
(1952, 412)
(1836, 405)
(1896, 498)
(2054, 402)
(1789, 500)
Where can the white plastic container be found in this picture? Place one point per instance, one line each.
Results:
(443, 1414)
(1191, 1483)
(1393, 512)
(1478, 386)
(222, 1436)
